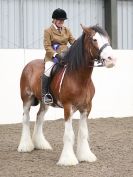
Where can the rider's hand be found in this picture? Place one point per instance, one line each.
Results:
(59, 57)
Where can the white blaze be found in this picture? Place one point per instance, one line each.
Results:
(107, 52)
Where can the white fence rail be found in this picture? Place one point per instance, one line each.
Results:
(114, 87)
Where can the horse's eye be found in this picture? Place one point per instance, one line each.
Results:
(95, 40)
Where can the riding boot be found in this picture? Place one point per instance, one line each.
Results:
(46, 96)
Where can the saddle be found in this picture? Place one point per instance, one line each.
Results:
(55, 69)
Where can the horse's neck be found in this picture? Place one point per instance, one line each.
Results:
(82, 76)
(87, 72)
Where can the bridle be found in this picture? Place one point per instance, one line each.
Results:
(103, 47)
(99, 60)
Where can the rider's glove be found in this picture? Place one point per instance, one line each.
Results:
(59, 57)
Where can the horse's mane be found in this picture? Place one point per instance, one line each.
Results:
(75, 57)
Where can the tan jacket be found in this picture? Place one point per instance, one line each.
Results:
(52, 36)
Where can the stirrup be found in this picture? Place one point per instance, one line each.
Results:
(48, 99)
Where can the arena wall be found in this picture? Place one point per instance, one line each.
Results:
(114, 87)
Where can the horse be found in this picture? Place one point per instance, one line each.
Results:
(72, 89)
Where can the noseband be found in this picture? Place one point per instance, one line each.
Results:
(103, 47)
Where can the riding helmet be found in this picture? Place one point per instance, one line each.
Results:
(59, 14)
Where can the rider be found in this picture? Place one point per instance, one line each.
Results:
(56, 38)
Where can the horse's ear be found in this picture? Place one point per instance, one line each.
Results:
(86, 30)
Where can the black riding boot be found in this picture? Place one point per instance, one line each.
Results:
(46, 96)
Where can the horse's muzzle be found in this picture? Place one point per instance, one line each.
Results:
(109, 63)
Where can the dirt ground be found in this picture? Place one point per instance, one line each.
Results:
(111, 140)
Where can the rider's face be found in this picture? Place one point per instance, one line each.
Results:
(59, 23)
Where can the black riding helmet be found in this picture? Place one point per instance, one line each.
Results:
(59, 14)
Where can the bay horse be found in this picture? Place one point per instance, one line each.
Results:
(74, 93)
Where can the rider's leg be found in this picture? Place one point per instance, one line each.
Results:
(46, 96)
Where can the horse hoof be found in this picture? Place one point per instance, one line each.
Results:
(67, 161)
(42, 144)
(92, 158)
(88, 158)
(25, 148)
